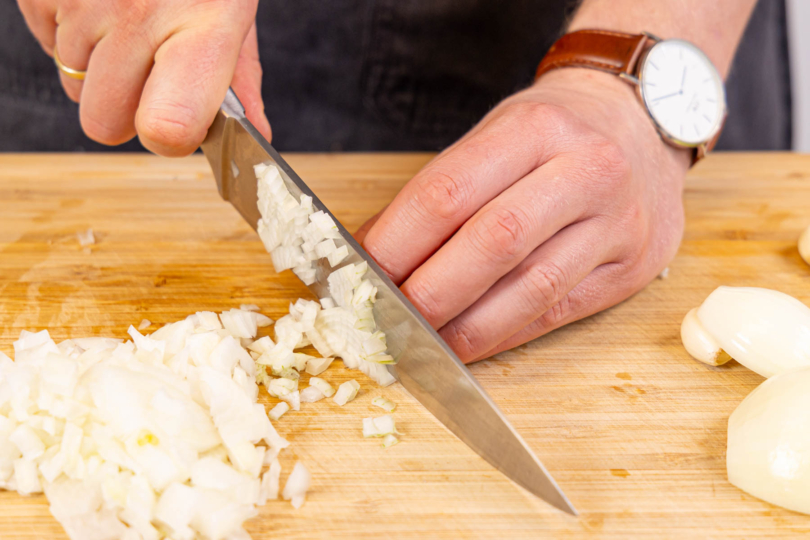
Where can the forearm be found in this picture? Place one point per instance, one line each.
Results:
(715, 26)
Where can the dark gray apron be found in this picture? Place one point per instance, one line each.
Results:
(391, 74)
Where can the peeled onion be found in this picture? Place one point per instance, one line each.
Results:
(768, 452)
(766, 331)
(804, 245)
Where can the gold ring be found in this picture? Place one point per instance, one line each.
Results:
(70, 72)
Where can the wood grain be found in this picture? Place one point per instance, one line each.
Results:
(632, 428)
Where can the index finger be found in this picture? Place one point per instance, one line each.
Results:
(455, 185)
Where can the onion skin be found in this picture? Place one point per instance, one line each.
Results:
(768, 452)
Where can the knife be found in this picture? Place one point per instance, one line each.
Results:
(425, 365)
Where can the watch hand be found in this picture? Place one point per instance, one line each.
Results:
(683, 79)
(678, 93)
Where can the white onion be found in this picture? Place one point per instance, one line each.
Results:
(346, 392)
(316, 366)
(379, 427)
(160, 435)
(769, 441)
(294, 399)
(764, 330)
(294, 243)
(804, 245)
(325, 388)
(277, 411)
(389, 440)
(386, 404)
(297, 485)
(86, 238)
(311, 394)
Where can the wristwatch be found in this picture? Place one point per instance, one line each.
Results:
(676, 82)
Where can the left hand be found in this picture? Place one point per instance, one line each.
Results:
(561, 202)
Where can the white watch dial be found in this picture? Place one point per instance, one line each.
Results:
(683, 92)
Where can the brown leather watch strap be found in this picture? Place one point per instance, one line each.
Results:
(614, 52)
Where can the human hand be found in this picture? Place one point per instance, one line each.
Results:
(561, 202)
(156, 68)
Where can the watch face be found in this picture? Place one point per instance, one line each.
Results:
(683, 92)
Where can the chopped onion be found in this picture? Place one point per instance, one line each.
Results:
(379, 427)
(277, 411)
(316, 366)
(294, 399)
(146, 323)
(311, 394)
(346, 392)
(86, 238)
(269, 486)
(345, 327)
(325, 388)
(298, 483)
(389, 440)
(161, 435)
(249, 307)
(337, 256)
(385, 404)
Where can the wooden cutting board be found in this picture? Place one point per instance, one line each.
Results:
(633, 430)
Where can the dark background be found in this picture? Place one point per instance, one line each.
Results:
(371, 75)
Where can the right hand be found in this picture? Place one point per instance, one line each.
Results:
(158, 69)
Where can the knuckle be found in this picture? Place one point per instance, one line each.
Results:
(542, 117)
(501, 234)
(557, 314)
(441, 195)
(465, 340)
(546, 283)
(421, 293)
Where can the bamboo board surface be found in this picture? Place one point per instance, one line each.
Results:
(633, 430)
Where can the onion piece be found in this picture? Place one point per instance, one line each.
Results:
(337, 256)
(311, 394)
(804, 245)
(146, 323)
(316, 366)
(389, 440)
(379, 427)
(159, 435)
(768, 451)
(294, 399)
(699, 343)
(346, 392)
(297, 485)
(86, 238)
(270, 483)
(277, 411)
(386, 404)
(766, 331)
(325, 388)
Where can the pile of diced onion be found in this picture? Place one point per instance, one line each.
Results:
(162, 437)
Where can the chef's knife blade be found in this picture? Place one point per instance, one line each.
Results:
(425, 366)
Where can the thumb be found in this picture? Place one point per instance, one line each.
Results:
(247, 83)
